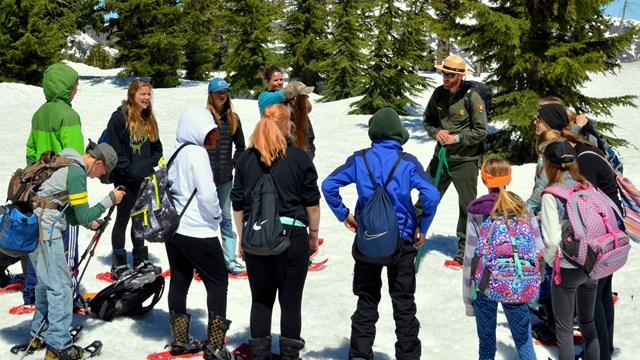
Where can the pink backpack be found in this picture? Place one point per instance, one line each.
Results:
(592, 240)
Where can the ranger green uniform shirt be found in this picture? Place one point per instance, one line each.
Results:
(447, 111)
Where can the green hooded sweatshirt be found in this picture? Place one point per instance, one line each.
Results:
(55, 125)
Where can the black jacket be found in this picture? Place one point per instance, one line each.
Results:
(598, 172)
(220, 158)
(295, 177)
(135, 159)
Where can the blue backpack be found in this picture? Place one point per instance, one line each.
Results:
(377, 240)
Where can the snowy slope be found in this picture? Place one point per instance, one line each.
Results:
(328, 302)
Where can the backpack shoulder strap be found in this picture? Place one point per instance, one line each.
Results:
(373, 179)
(558, 191)
(173, 157)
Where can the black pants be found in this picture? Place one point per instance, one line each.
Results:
(367, 282)
(604, 317)
(118, 233)
(187, 253)
(284, 274)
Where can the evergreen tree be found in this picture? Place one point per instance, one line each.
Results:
(99, 57)
(249, 32)
(346, 64)
(397, 56)
(200, 27)
(32, 35)
(147, 36)
(305, 29)
(542, 48)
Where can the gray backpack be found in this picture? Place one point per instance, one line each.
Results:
(154, 217)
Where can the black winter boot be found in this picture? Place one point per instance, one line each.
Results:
(215, 349)
(182, 342)
(260, 348)
(141, 261)
(290, 348)
(119, 267)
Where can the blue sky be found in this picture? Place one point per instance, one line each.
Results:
(633, 10)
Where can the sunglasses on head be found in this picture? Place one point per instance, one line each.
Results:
(449, 75)
(537, 119)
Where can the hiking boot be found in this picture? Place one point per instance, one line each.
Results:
(5, 279)
(290, 348)
(141, 261)
(119, 267)
(182, 343)
(215, 348)
(73, 352)
(459, 259)
(234, 267)
(260, 348)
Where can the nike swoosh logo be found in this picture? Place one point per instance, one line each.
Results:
(257, 227)
(374, 236)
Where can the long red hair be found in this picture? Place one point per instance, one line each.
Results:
(269, 136)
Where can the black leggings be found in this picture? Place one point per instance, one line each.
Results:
(187, 253)
(285, 274)
(118, 233)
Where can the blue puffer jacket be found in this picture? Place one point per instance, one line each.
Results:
(408, 175)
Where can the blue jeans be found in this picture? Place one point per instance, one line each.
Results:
(70, 238)
(519, 324)
(226, 225)
(53, 293)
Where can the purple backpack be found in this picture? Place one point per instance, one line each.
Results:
(505, 265)
(591, 238)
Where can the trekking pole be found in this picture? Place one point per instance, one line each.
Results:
(33, 338)
(441, 162)
(92, 247)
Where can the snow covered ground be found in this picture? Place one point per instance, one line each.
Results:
(328, 301)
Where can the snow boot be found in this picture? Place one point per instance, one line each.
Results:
(234, 267)
(119, 267)
(290, 348)
(73, 352)
(215, 348)
(260, 348)
(182, 343)
(141, 261)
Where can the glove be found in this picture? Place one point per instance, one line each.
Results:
(102, 223)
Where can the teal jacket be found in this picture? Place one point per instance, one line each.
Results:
(55, 125)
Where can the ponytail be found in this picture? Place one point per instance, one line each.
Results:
(269, 135)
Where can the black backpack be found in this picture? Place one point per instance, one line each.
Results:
(377, 237)
(262, 232)
(486, 94)
(127, 296)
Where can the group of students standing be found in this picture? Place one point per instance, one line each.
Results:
(210, 146)
(566, 159)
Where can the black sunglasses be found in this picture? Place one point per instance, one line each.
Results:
(449, 75)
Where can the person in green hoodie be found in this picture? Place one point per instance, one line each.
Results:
(56, 126)
(460, 132)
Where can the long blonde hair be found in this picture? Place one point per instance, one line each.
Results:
(508, 203)
(555, 172)
(231, 116)
(141, 124)
(269, 136)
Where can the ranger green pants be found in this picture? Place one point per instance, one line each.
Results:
(464, 176)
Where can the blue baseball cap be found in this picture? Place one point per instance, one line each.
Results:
(219, 84)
